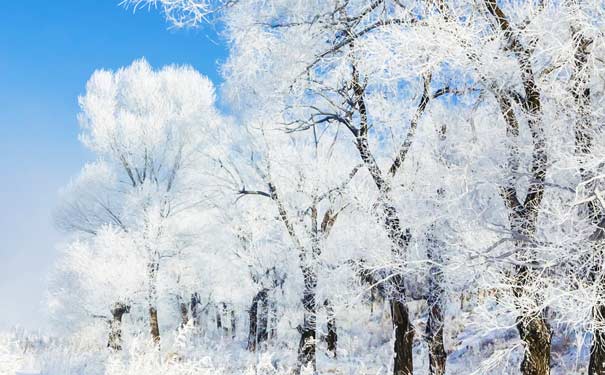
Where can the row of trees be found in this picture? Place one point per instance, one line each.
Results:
(419, 149)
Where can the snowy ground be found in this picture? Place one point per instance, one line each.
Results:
(364, 348)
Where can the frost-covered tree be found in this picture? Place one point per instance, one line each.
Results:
(98, 278)
(144, 126)
(305, 182)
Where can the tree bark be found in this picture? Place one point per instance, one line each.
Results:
(404, 338)
(195, 304)
(219, 323)
(535, 333)
(306, 346)
(115, 328)
(233, 323)
(596, 366)
(434, 327)
(184, 312)
(436, 304)
(272, 319)
(263, 320)
(154, 325)
(258, 331)
(253, 327)
(332, 336)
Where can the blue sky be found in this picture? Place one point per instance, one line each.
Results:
(48, 49)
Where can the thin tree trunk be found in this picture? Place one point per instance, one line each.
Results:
(263, 320)
(219, 323)
(306, 346)
(434, 327)
(183, 310)
(257, 334)
(233, 323)
(115, 329)
(221, 310)
(436, 294)
(596, 365)
(253, 327)
(272, 319)
(332, 336)
(195, 304)
(152, 300)
(154, 324)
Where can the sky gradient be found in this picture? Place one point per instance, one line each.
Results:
(48, 50)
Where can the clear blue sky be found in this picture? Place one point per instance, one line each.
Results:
(48, 49)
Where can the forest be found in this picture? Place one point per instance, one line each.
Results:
(390, 187)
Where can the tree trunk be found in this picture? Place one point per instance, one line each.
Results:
(195, 304)
(115, 328)
(219, 323)
(221, 311)
(253, 327)
(184, 311)
(306, 346)
(233, 323)
(434, 331)
(152, 300)
(154, 325)
(535, 333)
(404, 338)
(404, 331)
(436, 303)
(258, 331)
(596, 365)
(332, 336)
(272, 319)
(263, 319)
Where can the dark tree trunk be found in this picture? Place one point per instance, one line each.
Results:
(219, 323)
(596, 365)
(115, 328)
(332, 336)
(434, 331)
(263, 320)
(404, 336)
(154, 325)
(233, 323)
(195, 305)
(306, 346)
(535, 333)
(253, 327)
(404, 331)
(272, 319)
(221, 311)
(256, 334)
(184, 312)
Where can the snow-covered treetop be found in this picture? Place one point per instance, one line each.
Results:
(147, 121)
